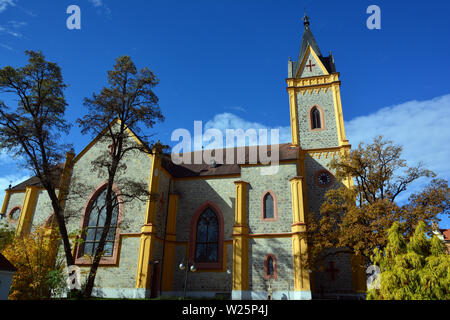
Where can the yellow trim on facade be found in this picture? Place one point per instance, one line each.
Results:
(148, 236)
(338, 114)
(28, 207)
(169, 250)
(299, 248)
(95, 140)
(240, 240)
(5, 202)
(293, 108)
(358, 274)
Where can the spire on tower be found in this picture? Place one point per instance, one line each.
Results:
(309, 40)
(305, 20)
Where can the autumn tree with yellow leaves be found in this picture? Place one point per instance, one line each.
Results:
(355, 220)
(38, 275)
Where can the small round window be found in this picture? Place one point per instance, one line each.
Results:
(323, 178)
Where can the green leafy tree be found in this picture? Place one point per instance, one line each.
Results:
(415, 270)
(6, 234)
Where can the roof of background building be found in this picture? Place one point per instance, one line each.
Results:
(286, 152)
(445, 233)
(224, 167)
(5, 265)
(34, 181)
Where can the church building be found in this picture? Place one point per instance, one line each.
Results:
(215, 230)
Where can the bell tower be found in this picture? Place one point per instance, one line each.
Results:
(314, 97)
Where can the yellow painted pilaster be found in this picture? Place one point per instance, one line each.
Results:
(148, 230)
(339, 115)
(29, 204)
(299, 247)
(358, 274)
(294, 116)
(240, 239)
(146, 248)
(169, 246)
(5, 202)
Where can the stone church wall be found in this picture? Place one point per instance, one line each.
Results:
(279, 184)
(15, 200)
(192, 194)
(120, 279)
(259, 248)
(322, 138)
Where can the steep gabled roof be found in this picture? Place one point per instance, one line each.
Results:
(309, 40)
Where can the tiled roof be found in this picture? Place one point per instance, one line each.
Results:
(286, 152)
(34, 181)
(446, 234)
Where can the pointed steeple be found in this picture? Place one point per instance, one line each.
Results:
(309, 40)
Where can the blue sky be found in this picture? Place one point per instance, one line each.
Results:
(225, 61)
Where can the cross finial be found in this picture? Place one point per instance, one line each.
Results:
(306, 20)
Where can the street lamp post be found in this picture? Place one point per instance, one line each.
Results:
(187, 266)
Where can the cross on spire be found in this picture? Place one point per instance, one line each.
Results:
(305, 20)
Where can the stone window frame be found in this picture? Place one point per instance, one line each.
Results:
(11, 212)
(275, 206)
(112, 260)
(193, 237)
(322, 118)
(266, 267)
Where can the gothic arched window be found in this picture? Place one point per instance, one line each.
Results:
(207, 238)
(269, 206)
(316, 122)
(94, 224)
(270, 267)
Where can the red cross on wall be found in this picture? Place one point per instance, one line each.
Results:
(310, 65)
(332, 271)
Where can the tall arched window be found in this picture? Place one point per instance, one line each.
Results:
(206, 239)
(270, 267)
(93, 225)
(96, 224)
(316, 122)
(269, 206)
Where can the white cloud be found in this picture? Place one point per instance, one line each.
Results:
(227, 120)
(101, 7)
(96, 3)
(5, 3)
(421, 127)
(5, 46)
(12, 179)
